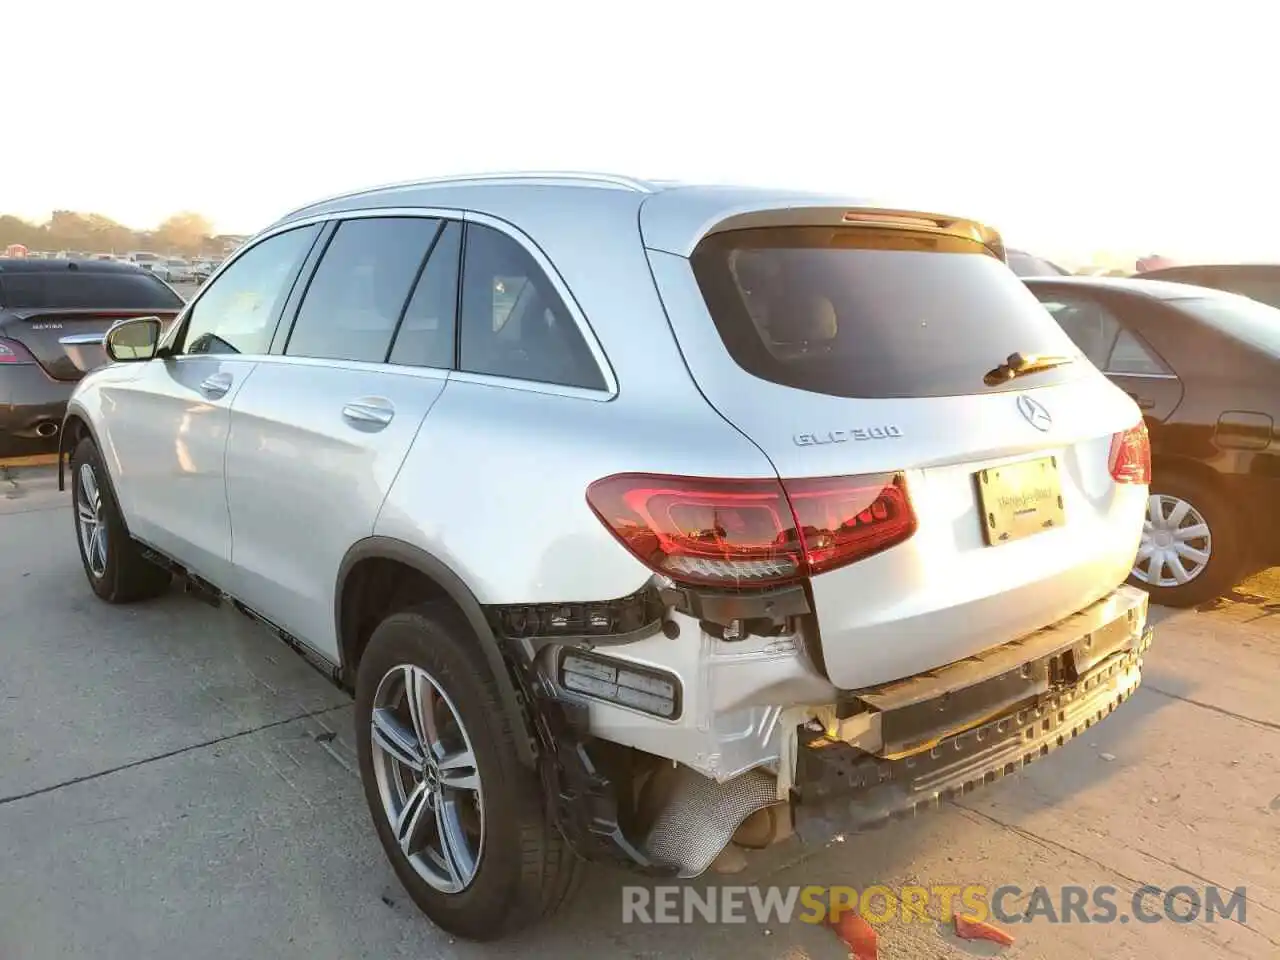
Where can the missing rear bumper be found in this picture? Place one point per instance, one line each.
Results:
(841, 789)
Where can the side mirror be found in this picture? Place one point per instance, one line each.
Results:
(136, 338)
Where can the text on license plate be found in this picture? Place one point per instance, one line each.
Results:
(1019, 499)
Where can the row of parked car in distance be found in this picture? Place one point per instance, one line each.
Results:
(170, 269)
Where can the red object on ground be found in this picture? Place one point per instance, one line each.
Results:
(861, 937)
(970, 928)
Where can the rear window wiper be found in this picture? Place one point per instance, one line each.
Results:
(1019, 366)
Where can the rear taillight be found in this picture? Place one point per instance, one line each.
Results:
(11, 351)
(752, 532)
(1130, 457)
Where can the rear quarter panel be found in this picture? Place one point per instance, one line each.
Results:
(495, 485)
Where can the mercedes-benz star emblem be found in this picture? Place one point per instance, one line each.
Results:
(1035, 413)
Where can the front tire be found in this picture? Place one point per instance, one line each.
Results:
(461, 819)
(1192, 546)
(113, 562)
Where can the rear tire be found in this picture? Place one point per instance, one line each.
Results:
(1192, 542)
(113, 562)
(515, 869)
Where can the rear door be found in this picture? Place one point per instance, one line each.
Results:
(319, 432)
(46, 305)
(861, 351)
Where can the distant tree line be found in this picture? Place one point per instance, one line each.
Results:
(186, 233)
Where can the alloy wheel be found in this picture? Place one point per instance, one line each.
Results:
(427, 778)
(92, 522)
(1176, 543)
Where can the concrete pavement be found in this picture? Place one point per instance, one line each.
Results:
(173, 782)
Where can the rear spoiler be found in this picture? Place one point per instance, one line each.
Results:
(889, 218)
(676, 221)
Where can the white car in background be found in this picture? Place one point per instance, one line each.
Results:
(172, 270)
(202, 270)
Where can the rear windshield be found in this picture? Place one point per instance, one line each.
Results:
(855, 312)
(1260, 284)
(1248, 321)
(86, 289)
(1025, 265)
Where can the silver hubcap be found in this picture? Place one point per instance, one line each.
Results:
(92, 522)
(427, 778)
(1176, 543)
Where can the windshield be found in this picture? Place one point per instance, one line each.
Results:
(856, 312)
(1246, 320)
(86, 289)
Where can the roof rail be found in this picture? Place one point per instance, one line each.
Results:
(604, 179)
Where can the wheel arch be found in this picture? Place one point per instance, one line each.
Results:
(448, 585)
(76, 425)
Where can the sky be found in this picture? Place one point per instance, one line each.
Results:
(1071, 127)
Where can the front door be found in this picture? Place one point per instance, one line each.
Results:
(169, 453)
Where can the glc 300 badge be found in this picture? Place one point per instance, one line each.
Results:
(844, 436)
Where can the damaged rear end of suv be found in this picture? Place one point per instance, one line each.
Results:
(928, 591)
(665, 522)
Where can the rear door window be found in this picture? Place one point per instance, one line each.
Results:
(426, 334)
(360, 289)
(86, 289)
(857, 312)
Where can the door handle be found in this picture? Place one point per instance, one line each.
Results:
(215, 385)
(1142, 402)
(369, 411)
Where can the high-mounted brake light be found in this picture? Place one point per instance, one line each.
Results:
(1130, 456)
(752, 532)
(13, 352)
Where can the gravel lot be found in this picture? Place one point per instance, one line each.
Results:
(175, 783)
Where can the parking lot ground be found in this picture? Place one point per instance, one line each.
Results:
(173, 782)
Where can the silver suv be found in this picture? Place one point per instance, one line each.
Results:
(646, 522)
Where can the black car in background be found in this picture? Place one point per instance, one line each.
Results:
(1261, 281)
(42, 301)
(1204, 367)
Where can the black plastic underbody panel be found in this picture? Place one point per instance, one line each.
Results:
(840, 789)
